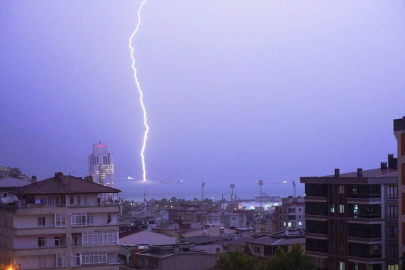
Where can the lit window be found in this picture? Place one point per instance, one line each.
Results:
(341, 266)
(332, 208)
(341, 208)
(300, 223)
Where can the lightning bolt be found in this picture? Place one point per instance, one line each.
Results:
(145, 120)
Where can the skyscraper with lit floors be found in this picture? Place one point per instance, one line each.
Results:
(101, 165)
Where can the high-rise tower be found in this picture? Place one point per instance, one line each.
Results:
(101, 165)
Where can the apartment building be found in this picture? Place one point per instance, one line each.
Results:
(290, 215)
(352, 219)
(60, 222)
(228, 219)
(399, 132)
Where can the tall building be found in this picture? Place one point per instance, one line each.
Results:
(399, 132)
(101, 165)
(352, 219)
(60, 222)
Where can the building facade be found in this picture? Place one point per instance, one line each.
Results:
(399, 132)
(352, 219)
(101, 165)
(60, 223)
(290, 215)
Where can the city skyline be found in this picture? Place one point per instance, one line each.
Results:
(266, 92)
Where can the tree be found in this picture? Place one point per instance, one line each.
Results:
(236, 261)
(294, 259)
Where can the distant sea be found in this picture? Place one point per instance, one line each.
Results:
(134, 190)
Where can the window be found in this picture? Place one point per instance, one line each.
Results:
(72, 200)
(41, 221)
(57, 201)
(89, 220)
(4, 194)
(78, 219)
(44, 201)
(392, 192)
(59, 241)
(392, 231)
(75, 259)
(341, 208)
(256, 249)
(41, 242)
(42, 262)
(299, 209)
(78, 200)
(341, 266)
(49, 201)
(100, 238)
(341, 189)
(75, 239)
(143, 260)
(60, 260)
(300, 223)
(85, 199)
(393, 251)
(393, 211)
(60, 220)
(94, 257)
(355, 190)
(289, 224)
(393, 267)
(332, 208)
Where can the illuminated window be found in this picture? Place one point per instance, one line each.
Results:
(341, 208)
(332, 208)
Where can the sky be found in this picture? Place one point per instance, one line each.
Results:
(235, 91)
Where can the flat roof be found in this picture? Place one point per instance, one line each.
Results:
(373, 176)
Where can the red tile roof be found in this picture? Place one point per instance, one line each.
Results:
(64, 185)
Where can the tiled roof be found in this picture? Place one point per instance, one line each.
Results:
(64, 185)
(129, 233)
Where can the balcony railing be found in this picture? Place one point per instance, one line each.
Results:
(317, 249)
(37, 226)
(351, 215)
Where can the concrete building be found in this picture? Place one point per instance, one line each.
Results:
(60, 222)
(352, 219)
(101, 165)
(176, 257)
(228, 219)
(290, 215)
(265, 246)
(399, 132)
(188, 212)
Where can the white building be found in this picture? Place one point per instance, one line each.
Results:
(101, 165)
(60, 222)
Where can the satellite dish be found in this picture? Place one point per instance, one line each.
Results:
(15, 198)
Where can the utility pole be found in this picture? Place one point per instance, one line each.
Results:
(260, 182)
(202, 192)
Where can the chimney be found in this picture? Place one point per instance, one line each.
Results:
(89, 178)
(359, 172)
(392, 162)
(58, 175)
(33, 179)
(337, 173)
(383, 165)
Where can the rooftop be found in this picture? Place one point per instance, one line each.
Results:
(62, 184)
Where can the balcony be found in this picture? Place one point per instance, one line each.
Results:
(40, 251)
(38, 230)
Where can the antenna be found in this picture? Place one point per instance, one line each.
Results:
(232, 187)
(295, 191)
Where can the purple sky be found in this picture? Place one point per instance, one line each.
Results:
(235, 91)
